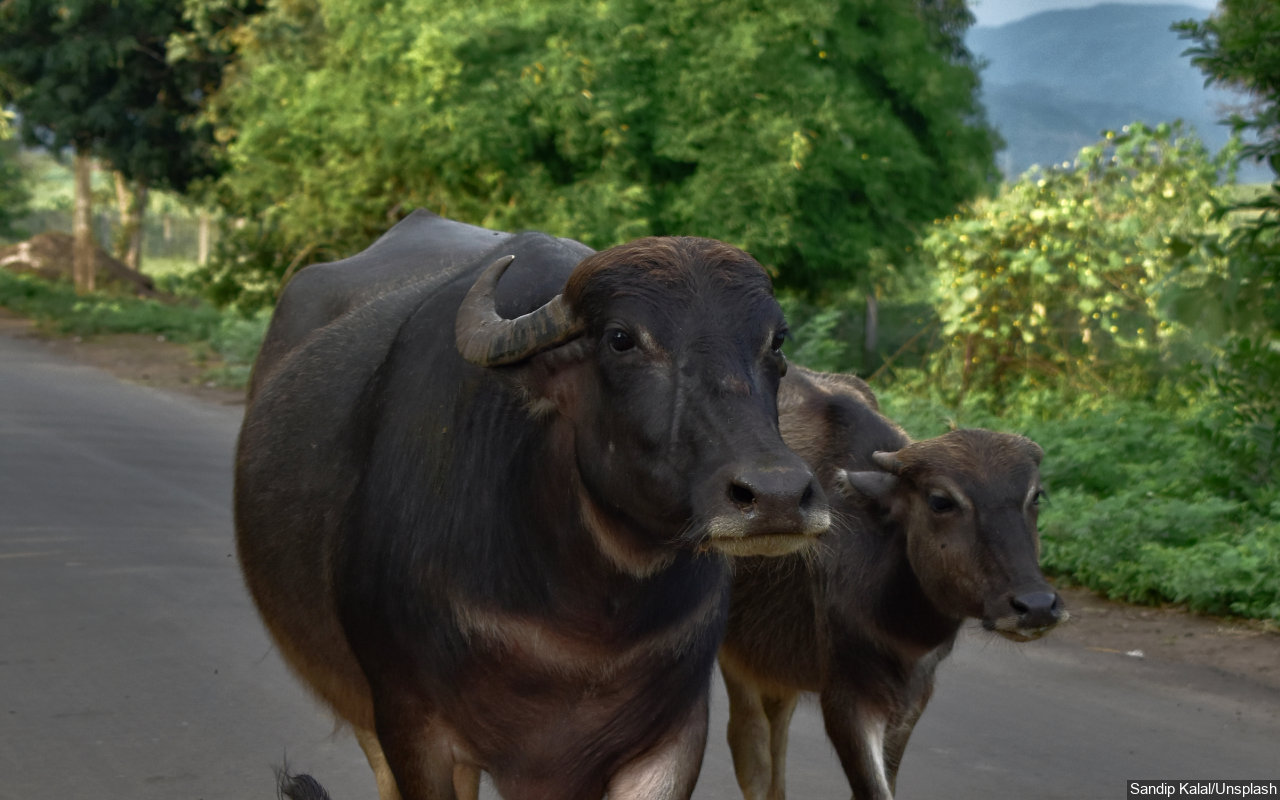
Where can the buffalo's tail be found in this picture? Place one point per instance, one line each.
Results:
(299, 787)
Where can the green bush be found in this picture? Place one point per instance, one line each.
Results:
(832, 337)
(1081, 277)
(236, 340)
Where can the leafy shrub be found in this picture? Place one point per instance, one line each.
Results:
(251, 263)
(1067, 277)
(832, 337)
(812, 134)
(235, 339)
(1245, 420)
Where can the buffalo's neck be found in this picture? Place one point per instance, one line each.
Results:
(900, 608)
(545, 562)
(615, 577)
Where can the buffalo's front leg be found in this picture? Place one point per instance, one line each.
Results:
(758, 729)
(378, 763)
(669, 770)
(779, 710)
(899, 733)
(466, 782)
(858, 735)
(418, 747)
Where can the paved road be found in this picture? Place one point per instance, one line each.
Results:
(132, 665)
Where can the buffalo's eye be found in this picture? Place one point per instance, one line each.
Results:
(1040, 496)
(619, 340)
(779, 339)
(941, 502)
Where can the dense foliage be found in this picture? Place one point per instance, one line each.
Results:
(1239, 46)
(817, 135)
(1081, 275)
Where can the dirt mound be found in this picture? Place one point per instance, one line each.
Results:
(49, 255)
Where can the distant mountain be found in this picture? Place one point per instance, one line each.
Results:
(1053, 81)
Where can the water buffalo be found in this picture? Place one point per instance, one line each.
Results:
(484, 513)
(924, 535)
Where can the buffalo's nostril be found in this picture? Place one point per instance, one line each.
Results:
(742, 496)
(1037, 609)
(775, 500)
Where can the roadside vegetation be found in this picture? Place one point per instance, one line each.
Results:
(227, 339)
(1124, 311)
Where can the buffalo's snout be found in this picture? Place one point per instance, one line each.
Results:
(767, 510)
(1037, 609)
(776, 493)
(1026, 615)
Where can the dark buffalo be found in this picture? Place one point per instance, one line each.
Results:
(924, 535)
(485, 520)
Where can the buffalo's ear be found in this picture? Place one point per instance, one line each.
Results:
(874, 485)
(551, 379)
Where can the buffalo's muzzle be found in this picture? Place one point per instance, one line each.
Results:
(768, 511)
(1029, 616)
(1037, 609)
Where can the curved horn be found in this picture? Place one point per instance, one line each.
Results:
(484, 338)
(889, 462)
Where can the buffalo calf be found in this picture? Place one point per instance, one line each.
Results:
(925, 535)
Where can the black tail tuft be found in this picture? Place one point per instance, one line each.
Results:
(299, 787)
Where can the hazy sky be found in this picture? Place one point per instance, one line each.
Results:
(998, 12)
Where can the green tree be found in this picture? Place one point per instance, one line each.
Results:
(818, 135)
(93, 76)
(947, 22)
(1239, 46)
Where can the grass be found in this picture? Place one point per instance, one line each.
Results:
(227, 340)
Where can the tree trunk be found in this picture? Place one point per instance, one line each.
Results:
(202, 255)
(133, 209)
(871, 335)
(82, 223)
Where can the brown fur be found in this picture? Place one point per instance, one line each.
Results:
(663, 260)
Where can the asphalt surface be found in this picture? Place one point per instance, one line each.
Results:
(132, 664)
